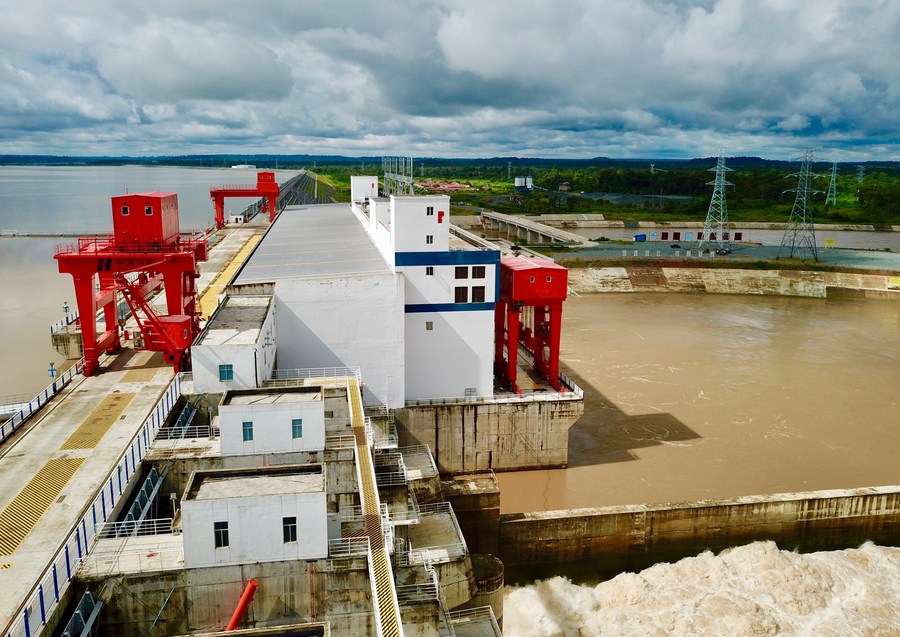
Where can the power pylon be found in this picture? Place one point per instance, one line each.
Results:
(717, 215)
(831, 197)
(799, 234)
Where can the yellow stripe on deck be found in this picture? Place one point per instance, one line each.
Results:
(209, 300)
(95, 426)
(22, 514)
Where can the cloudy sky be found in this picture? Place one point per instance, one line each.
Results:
(467, 78)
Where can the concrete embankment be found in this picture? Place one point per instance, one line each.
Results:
(735, 281)
(596, 543)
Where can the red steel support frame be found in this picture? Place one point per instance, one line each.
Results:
(146, 241)
(266, 187)
(529, 283)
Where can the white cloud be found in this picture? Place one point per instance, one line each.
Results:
(457, 77)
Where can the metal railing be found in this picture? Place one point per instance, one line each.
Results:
(550, 395)
(19, 418)
(44, 597)
(340, 441)
(64, 322)
(349, 547)
(158, 526)
(482, 614)
(315, 372)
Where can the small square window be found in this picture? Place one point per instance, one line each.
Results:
(289, 528)
(549, 279)
(247, 431)
(462, 272)
(125, 211)
(226, 372)
(478, 272)
(429, 211)
(531, 279)
(461, 295)
(297, 428)
(429, 270)
(429, 239)
(478, 294)
(220, 532)
(429, 326)
(148, 210)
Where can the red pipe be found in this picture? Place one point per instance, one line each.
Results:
(244, 602)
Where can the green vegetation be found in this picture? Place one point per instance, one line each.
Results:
(674, 191)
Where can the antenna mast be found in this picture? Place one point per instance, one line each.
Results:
(716, 224)
(799, 234)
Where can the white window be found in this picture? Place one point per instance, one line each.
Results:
(429, 270)
(125, 211)
(429, 239)
(429, 326)
(148, 210)
(429, 211)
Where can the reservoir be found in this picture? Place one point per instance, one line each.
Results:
(690, 397)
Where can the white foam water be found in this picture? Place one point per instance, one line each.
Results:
(755, 590)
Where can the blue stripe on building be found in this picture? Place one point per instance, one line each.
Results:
(448, 307)
(453, 257)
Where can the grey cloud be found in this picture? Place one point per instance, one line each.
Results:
(453, 77)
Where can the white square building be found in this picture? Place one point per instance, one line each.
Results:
(243, 516)
(259, 421)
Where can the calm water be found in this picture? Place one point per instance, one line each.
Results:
(77, 198)
(708, 396)
(73, 199)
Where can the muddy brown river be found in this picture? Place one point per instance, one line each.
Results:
(711, 396)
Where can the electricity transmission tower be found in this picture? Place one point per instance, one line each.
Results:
(799, 234)
(831, 197)
(398, 175)
(717, 215)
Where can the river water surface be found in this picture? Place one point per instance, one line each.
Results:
(692, 396)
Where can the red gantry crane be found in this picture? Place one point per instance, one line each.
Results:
(265, 187)
(146, 242)
(541, 285)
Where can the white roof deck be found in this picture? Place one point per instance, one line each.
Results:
(324, 240)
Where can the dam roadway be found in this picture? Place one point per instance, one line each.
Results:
(62, 480)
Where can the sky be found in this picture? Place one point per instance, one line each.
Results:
(452, 78)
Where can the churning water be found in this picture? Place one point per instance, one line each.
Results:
(755, 590)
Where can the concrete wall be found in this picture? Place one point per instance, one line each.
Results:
(410, 223)
(608, 540)
(363, 187)
(254, 528)
(732, 281)
(193, 600)
(272, 427)
(366, 330)
(205, 361)
(503, 436)
(453, 357)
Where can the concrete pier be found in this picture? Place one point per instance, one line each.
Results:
(596, 543)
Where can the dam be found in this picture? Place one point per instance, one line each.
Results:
(410, 509)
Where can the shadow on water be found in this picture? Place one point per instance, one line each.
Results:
(606, 434)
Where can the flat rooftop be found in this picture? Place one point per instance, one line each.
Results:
(266, 397)
(324, 240)
(239, 483)
(238, 321)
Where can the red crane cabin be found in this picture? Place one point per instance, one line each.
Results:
(541, 285)
(145, 219)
